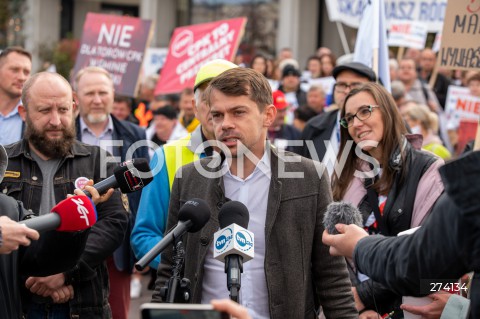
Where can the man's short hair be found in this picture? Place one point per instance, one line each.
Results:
(187, 91)
(91, 69)
(15, 49)
(168, 111)
(122, 98)
(242, 81)
(317, 88)
(32, 80)
(474, 77)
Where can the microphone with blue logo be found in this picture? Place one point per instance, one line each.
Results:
(233, 243)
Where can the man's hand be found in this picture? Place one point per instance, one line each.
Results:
(14, 235)
(45, 286)
(232, 308)
(431, 311)
(96, 198)
(62, 294)
(369, 314)
(344, 243)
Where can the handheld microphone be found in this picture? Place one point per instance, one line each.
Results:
(233, 243)
(341, 213)
(192, 216)
(72, 214)
(130, 176)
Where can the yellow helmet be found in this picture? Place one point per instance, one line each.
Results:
(211, 69)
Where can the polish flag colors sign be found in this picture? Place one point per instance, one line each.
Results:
(117, 44)
(193, 46)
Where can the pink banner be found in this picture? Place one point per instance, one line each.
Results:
(117, 44)
(193, 46)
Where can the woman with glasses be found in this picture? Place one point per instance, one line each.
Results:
(386, 175)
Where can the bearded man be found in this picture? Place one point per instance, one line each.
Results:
(45, 166)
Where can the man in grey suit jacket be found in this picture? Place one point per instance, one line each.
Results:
(292, 272)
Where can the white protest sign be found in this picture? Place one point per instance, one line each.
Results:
(430, 12)
(460, 104)
(154, 60)
(409, 34)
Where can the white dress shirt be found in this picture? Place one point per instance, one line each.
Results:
(253, 193)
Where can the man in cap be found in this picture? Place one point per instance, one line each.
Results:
(290, 86)
(153, 210)
(325, 126)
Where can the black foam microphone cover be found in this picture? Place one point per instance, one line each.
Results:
(197, 211)
(233, 212)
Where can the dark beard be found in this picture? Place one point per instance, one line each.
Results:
(57, 148)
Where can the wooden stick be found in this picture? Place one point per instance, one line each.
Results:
(433, 77)
(401, 51)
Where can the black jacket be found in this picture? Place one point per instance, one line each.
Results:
(53, 253)
(89, 277)
(446, 247)
(318, 130)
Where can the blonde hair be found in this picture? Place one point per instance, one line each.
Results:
(420, 112)
(90, 69)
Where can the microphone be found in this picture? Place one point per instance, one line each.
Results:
(130, 176)
(341, 213)
(70, 215)
(192, 216)
(233, 243)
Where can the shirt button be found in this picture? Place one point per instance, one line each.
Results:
(34, 178)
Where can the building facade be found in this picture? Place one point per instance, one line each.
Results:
(301, 25)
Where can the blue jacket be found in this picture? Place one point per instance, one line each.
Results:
(153, 210)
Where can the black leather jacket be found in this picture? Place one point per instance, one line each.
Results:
(89, 277)
(446, 247)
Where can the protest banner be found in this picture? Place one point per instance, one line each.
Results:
(460, 104)
(193, 46)
(117, 44)
(154, 61)
(460, 48)
(430, 12)
(326, 83)
(437, 42)
(409, 34)
(462, 110)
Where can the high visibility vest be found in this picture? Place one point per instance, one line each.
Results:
(192, 126)
(178, 154)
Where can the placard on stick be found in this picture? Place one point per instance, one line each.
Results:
(460, 48)
(117, 44)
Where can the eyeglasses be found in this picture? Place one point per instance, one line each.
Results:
(342, 87)
(363, 113)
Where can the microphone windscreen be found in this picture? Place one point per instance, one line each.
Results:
(76, 213)
(133, 175)
(3, 162)
(197, 211)
(233, 212)
(341, 213)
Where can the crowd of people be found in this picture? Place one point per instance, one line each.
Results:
(240, 134)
